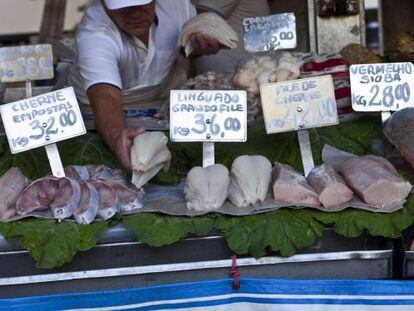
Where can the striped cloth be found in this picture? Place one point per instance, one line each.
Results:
(253, 295)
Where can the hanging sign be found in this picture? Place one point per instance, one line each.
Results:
(208, 116)
(26, 63)
(270, 33)
(299, 104)
(382, 87)
(42, 120)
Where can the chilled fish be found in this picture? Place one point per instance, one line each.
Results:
(108, 200)
(399, 130)
(374, 181)
(12, 183)
(87, 209)
(330, 185)
(130, 198)
(289, 186)
(250, 180)
(67, 198)
(38, 195)
(98, 172)
(77, 172)
(207, 188)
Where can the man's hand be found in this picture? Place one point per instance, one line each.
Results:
(204, 45)
(121, 145)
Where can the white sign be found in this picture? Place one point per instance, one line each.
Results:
(299, 104)
(382, 87)
(26, 63)
(270, 33)
(208, 116)
(42, 120)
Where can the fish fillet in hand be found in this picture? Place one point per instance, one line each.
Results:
(207, 188)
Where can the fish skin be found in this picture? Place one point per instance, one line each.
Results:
(87, 210)
(289, 186)
(38, 195)
(98, 171)
(108, 200)
(12, 184)
(399, 130)
(77, 172)
(130, 198)
(67, 198)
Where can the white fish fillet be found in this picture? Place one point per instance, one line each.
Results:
(211, 25)
(207, 188)
(12, 183)
(250, 180)
(149, 154)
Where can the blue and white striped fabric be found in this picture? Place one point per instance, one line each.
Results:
(254, 295)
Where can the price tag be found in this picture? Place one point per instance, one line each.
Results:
(23, 63)
(299, 104)
(382, 87)
(270, 33)
(208, 116)
(42, 120)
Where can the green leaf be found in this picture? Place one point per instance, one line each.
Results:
(34, 163)
(284, 231)
(50, 243)
(159, 230)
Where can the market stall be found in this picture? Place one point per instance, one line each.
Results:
(298, 163)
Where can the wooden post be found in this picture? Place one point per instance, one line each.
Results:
(53, 20)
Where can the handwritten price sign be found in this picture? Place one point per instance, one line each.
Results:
(382, 87)
(42, 120)
(270, 33)
(29, 62)
(208, 116)
(299, 104)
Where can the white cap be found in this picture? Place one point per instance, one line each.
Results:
(119, 4)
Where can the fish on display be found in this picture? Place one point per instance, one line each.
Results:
(66, 199)
(250, 180)
(87, 209)
(130, 198)
(207, 188)
(108, 200)
(399, 130)
(289, 186)
(375, 180)
(77, 172)
(330, 185)
(12, 183)
(38, 195)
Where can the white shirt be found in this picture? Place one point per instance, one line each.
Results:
(105, 54)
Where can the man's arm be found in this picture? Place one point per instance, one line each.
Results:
(106, 103)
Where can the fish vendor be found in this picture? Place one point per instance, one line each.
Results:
(129, 49)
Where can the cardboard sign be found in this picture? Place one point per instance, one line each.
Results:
(270, 33)
(26, 63)
(299, 104)
(42, 120)
(208, 116)
(382, 87)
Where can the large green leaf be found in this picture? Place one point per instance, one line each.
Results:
(160, 230)
(50, 243)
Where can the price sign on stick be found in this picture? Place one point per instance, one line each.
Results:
(299, 105)
(29, 62)
(382, 87)
(270, 33)
(208, 117)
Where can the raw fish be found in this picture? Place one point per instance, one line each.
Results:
(38, 195)
(77, 172)
(87, 209)
(130, 198)
(108, 200)
(330, 185)
(12, 183)
(374, 181)
(207, 188)
(250, 180)
(291, 187)
(66, 199)
(399, 130)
